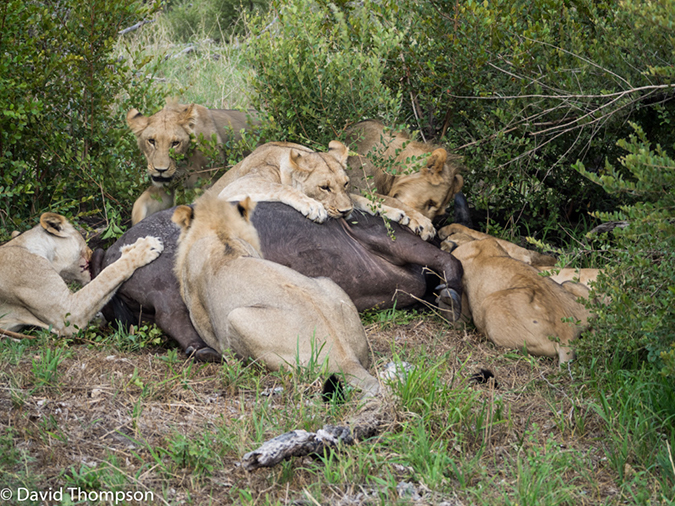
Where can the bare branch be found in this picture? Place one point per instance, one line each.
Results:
(135, 27)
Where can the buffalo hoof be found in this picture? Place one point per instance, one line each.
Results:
(449, 302)
(204, 354)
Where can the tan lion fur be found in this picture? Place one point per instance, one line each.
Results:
(313, 183)
(457, 234)
(171, 129)
(427, 177)
(36, 265)
(260, 309)
(512, 304)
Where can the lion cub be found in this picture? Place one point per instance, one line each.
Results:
(36, 265)
(313, 183)
(426, 178)
(512, 304)
(260, 309)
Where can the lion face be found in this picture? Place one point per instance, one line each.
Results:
(64, 246)
(429, 191)
(419, 192)
(321, 176)
(161, 135)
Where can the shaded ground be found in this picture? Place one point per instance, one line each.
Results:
(151, 421)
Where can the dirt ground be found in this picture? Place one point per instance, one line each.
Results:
(122, 407)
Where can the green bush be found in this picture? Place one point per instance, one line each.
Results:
(216, 19)
(524, 88)
(628, 355)
(64, 145)
(639, 278)
(318, 67)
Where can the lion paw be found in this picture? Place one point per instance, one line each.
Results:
(397, 215)
(423, 227)
(314, 210)
(143, 251)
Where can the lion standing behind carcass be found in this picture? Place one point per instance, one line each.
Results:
(169, 133)
(257, 308)
(36, 265)
(422, 182)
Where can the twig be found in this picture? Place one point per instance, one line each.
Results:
(135, 27)
(15, 335)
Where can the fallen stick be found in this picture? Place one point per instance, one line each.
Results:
(298, 443)
(135, 27)
(15, 335)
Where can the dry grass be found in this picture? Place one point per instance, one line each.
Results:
(129, 418)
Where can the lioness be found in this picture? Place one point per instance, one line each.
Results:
(260, 309)
(514, 306)
(170, 132)
(425, 179)
(36, 265)
(313, 183)
(454, 235)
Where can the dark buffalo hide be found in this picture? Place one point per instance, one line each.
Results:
(376, 266)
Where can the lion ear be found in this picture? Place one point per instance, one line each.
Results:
(136, 121)
(182, 216)
(188, 117)
(291, 169)
(54, 224)
(458, 183)
(433, 170)
(338, 151)
(245, 208)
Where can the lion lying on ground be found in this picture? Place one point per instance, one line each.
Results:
(511, 303)
(36, 265)
(314, 184)
(170, 132)
(455, 235)
(425, 179)
(260, 309)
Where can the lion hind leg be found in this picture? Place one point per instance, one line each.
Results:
(276, 337)
(509, 318)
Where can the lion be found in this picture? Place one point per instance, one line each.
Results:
(36, 266)
(260, 309)
(423, 181)
(512, 304)
(313, 183)
(455, 235)
(170, 133)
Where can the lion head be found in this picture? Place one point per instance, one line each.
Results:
(164, 135)
(320, 176)
(60, 243)
(430, 189)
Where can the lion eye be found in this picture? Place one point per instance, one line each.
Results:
(325, 188)
(175, 144)
(431, 204)
(395, 195)
(151, 142)
(346, 184)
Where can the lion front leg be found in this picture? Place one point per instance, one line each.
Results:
(397, 212)
(151, 201)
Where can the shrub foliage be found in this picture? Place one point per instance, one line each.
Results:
(63, 143)
(319, 67)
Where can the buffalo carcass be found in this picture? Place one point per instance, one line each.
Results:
(375, 266)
